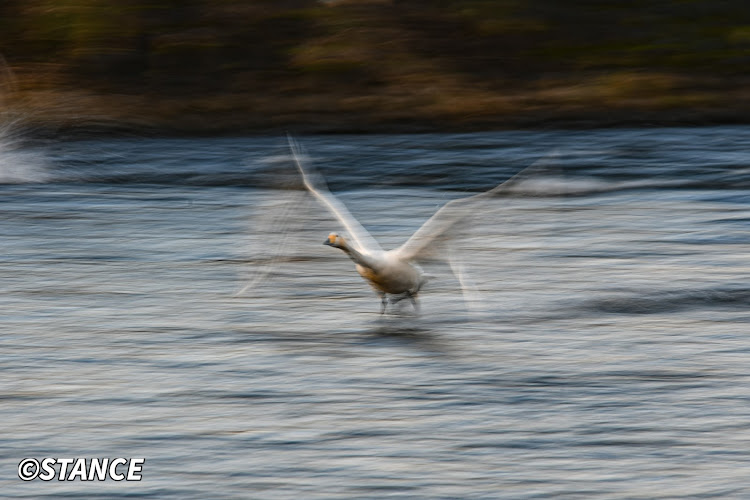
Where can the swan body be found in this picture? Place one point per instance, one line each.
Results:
(393, 273)
(385, 271)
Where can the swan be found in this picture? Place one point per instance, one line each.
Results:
(393, 274)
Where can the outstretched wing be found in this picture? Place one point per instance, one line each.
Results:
(314, 182)
(279, 215)
(456, 210)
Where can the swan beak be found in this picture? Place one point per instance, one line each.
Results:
(328, 242)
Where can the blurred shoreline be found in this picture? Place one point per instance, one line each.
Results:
(99, 115)
(358, 66)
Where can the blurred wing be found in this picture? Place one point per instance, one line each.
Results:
(456, 210)
(280, 217)
(315, 184)
(471, 295)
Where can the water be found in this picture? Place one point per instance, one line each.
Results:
(608, 355)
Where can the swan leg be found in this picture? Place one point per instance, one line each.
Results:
(413, 298)
(383, 303)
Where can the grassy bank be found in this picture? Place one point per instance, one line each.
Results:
(236, 66)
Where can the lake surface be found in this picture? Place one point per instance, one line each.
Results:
(603, 352)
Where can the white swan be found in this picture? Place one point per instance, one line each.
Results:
(394, 272)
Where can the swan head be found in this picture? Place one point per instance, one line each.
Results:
(335, 240)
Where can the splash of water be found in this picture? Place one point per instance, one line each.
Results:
(18, 163)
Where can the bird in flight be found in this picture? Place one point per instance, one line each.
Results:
(393, 274)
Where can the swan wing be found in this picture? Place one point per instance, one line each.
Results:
(472, 296)
(456, 210)
(279, 215)
(316, 185)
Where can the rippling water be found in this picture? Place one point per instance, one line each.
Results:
(608, 355)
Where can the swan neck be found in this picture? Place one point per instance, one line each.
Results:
(357, 256)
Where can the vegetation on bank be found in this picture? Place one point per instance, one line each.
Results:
(239, 65)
